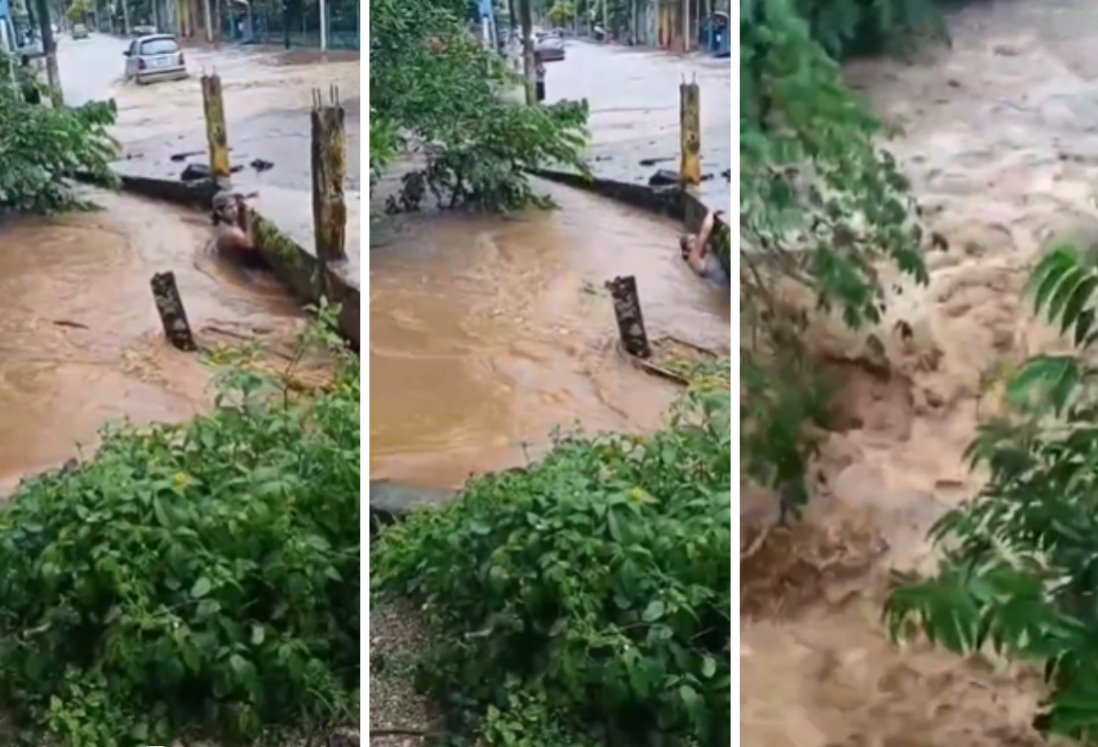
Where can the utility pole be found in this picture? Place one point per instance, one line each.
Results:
(528, 49)
(49, 48)
(686, 33)
(323, 26)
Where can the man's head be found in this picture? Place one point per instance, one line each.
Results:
(225, 209)
(686, 243)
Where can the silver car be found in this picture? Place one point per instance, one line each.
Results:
(155, 57)
(550, 46)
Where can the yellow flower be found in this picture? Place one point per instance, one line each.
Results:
(636, 495)
(180, 480)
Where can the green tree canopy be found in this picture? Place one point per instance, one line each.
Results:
(435, 89)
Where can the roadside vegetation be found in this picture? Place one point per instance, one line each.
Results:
(196, 581)
(583, 600)
(439, 96)
(41, 147)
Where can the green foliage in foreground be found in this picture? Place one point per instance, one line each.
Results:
(199, 580)
(584, 600)
(1020, 560)
(822, 206)
(40, 146)
(437, 91)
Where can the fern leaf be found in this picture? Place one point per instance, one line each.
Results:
(1067, 286)
(1046, 376)
(1049, 272)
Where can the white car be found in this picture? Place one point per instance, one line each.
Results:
(155, 57)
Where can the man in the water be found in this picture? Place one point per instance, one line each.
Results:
(695, 252)
(230, 237)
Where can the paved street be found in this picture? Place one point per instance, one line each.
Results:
(267, 100)
(634, 100)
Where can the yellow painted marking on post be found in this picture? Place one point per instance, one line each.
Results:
(690, 133)
(216, 137)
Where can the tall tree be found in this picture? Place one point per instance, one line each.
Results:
(49, 48)
(528, 49)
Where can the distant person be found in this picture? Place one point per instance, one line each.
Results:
(539, 77)
(695, 252)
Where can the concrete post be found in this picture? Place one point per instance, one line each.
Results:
(323, 26)
(172, 315)
(329, 161)
(627, 312)
(690, 132)
(216, 137)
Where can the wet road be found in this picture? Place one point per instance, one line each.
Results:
(487, 333)
(634, 100)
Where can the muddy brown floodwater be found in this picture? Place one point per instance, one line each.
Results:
(80, 341)
(1001, 143)
(486, 333)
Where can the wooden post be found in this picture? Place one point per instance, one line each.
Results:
(690, 132)
(329, 157)
(216, 137)
(172, 315)
(627, 311)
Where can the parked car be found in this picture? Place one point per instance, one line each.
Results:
(551, 46)
(155, 57)
(79, 31)
(144, 29)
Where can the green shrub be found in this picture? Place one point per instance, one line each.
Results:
(1019, 568)
(437, 91)
(583, 600)
(40, 146)
(190, 580)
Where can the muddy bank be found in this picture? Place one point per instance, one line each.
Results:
(80, 341)
(1000, 142)
(489, 332)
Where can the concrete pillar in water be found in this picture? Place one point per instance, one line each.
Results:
(216, 137)
(329, 162)
(627, 312)
(690, 132)
(172, 315)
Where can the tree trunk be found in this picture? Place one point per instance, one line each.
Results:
(207, 12)
(49, 48)
(126, 28)
(512, 17)
(627, 311)
(170, 307)
(528, 50)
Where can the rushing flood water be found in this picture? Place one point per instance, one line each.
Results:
(486, 333)
(80, 341)
(1001, 142)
